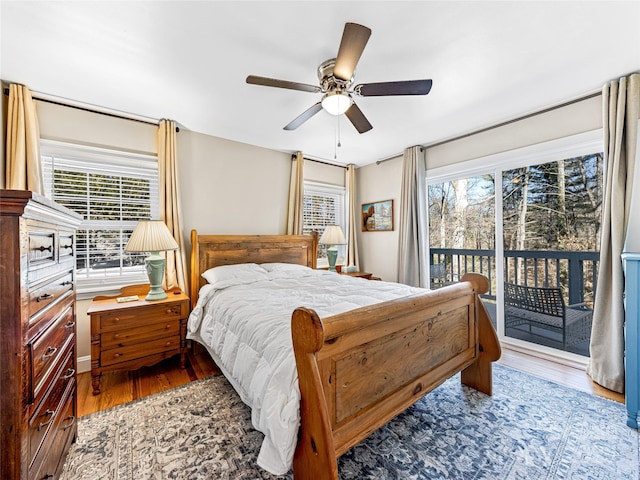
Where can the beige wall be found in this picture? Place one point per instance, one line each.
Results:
(559, 123)
(226, 187)
(323, 173)
(67, 124)
(231, 188)
(379, 250)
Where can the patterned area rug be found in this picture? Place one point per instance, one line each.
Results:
(529, 429)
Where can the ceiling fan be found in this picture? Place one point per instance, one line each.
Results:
(336, 79)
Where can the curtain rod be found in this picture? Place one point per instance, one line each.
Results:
(320, 161)
(505, 123)
(35, 96)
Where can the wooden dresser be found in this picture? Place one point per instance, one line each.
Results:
(37, 335)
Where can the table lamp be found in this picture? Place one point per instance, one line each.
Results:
(332, 236)
(152, 236)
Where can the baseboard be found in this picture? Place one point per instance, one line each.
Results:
(84, 364)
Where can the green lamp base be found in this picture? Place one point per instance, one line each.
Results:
(332, 255)
(155, 271)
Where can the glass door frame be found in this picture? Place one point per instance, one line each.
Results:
(554, 150)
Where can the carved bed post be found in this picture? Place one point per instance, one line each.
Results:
(315, 451)
(478, 375)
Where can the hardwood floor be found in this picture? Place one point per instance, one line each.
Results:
(120, 387)
(123, 387)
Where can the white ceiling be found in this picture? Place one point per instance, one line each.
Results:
(489, 61)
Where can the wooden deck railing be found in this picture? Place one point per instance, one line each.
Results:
(574, 272)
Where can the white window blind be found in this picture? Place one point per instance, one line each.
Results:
(324, 205)
(112, 190)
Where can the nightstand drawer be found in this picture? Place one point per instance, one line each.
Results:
(141, 333)
(140, 350)
(131, 318)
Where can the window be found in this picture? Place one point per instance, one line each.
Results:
(112, 190)
(324, 205)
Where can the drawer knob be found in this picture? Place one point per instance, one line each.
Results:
(72, 418)
(51, 351)
(116, 355)
(48, 413)
(48, 476)
(71, 324)
(68, 282)
(70, 373)
(44, 296)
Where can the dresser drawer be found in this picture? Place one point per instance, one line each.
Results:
(133, 317)
(49, 411)
(49, 293)
(133, 352)
(47, 349)
(49, 459)
(66, 248)
(141, 333)
(41, 251)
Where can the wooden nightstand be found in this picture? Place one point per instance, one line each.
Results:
(130, 335)
(368, 276)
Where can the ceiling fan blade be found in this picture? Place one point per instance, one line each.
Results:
(306, 115)
(273, 82)
(354, 39)
(357, 118)
(407, 87)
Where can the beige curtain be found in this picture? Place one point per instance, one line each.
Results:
(353, 222)
(296, 196)
(621, 107)
(170, 211)
(23, 168)
(413, 244)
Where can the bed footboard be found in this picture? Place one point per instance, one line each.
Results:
(359, 369)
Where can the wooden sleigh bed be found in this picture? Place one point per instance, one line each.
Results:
(357, 370)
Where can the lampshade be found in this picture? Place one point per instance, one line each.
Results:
(151, 236)
(333, 235)
(336, 103)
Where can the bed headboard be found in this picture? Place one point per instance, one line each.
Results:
(208, 251)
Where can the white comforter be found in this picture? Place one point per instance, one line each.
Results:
(244, 320)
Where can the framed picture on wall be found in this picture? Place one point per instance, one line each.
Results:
(377, 216)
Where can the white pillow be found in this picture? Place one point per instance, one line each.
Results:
(283, 267)
(240, 272)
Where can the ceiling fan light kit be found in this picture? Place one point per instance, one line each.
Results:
(336, 102)
(336, 76)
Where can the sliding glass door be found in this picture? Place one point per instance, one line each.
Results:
(551, 232)
(529, 221)
(462, 231)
